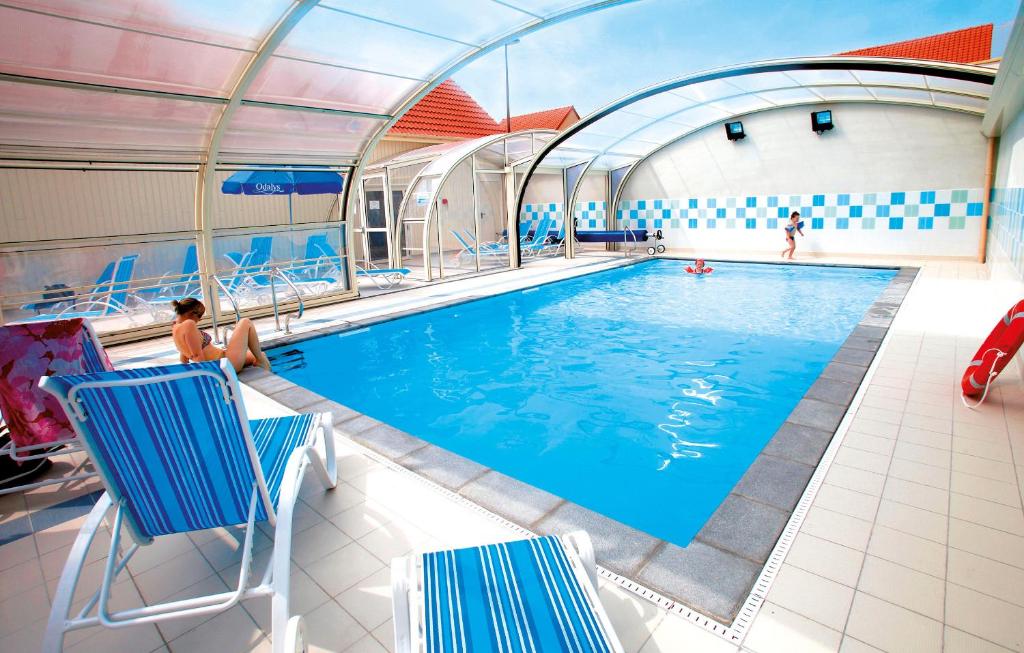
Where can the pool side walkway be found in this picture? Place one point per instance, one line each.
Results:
(914, 542)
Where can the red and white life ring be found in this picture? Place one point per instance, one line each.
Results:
(994, 354)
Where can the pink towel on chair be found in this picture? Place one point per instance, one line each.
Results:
(29, 352)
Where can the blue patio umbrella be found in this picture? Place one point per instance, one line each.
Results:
(283, 182)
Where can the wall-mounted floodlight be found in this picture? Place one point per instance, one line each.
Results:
(734, 131)
(821, 121)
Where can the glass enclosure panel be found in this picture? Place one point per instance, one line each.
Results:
(256, 266)
(416, 207)
(740, 104)
(789, 96)
(462, 20)
(207, 22)
(376, 226)
(959, 85)
(492, 157)
(305, 83)
(117, 283)
(333, 37)
(399, 179)
(879, 77)
(662, 104)
(276, 131)
(493, 223)
(763, 81)
(619, 123)
(812, 77)
(709, 91)
(902, 94)
(456, 222)
(38, 45)
(960, 101)
(42, 116)
(835, 93)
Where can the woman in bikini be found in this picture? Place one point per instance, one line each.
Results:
(195, 345)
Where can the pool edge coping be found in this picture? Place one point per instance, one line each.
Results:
(463, 477)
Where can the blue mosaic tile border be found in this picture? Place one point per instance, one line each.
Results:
(1008, 224)
(887, 210)
(535, 212)
(589, 215)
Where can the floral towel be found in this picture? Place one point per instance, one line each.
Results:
(27, 353)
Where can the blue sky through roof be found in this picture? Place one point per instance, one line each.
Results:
(595, 59)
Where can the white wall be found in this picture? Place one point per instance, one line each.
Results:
(1006, 237)
(874, 151)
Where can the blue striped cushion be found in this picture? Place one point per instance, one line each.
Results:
(276, 438)
(507, 598)
(174, 451)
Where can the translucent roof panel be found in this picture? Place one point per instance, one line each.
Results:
(290, 81)
(346, 40)
(38, 115)
(468, 21)
(347, 56)
(634, 127)
(37, 45)
(270, 131)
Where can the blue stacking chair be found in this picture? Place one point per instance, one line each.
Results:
(176, 453)
(109, 297)
(174, 286)
(537, 595)
(540, 238)
(381, 277)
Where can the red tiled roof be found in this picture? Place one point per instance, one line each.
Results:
(968, 45)
(549, 119)
(447, 111)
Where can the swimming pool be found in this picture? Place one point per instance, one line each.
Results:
(642, 393)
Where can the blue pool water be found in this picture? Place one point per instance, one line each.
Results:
(642, 393)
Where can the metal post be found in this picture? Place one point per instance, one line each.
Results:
(476, 216)
(440, 246)
(986, 207)
(273, 298)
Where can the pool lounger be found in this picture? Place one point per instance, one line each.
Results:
(139, 425)
(537, 595)
(383, 277)
(41, 441)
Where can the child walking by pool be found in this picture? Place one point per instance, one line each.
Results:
(794, 227)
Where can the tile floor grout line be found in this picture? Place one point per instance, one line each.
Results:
(879, 357)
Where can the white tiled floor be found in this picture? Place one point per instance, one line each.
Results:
(915, 541)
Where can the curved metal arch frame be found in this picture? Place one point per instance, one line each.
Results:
(432, 203)
(205, 177)
(908, 66)
(461, 62)
(633, 167)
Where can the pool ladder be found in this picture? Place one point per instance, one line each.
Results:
(221, 336)
(276, 272)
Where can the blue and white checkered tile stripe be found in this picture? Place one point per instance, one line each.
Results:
(512, 597)
(1008, 224)
(536, 212)
(885, 210)
(590, 216)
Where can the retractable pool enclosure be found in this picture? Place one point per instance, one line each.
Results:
(122, 121)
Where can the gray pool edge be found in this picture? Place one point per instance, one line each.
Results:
(716, 571)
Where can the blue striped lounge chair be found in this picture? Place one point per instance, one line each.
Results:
(31, 455)
(537, 595)
(176, 453)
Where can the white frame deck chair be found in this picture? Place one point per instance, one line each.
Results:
(94, 359)
(537, 595)
(176, 453)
